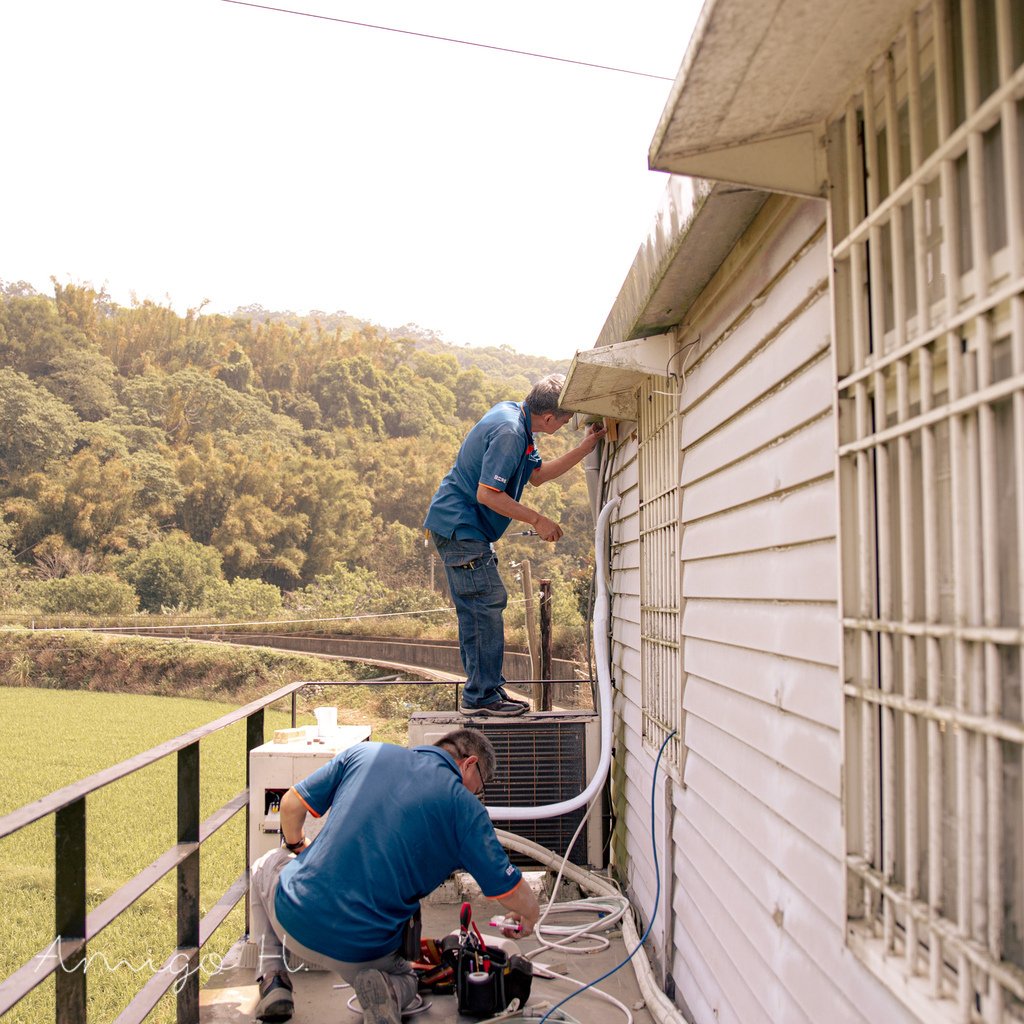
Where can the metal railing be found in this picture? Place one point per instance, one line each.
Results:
(74, 927)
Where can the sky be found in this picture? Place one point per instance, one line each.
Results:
(201, 151)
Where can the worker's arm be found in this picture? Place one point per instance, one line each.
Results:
(556, 467)
(524, 908)
(507, 506)
(293, 817)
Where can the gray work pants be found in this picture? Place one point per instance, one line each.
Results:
(280, 952)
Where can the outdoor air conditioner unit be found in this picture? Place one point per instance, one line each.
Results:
(543, 758)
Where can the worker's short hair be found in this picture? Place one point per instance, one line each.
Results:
(544, 395)
(471, 742)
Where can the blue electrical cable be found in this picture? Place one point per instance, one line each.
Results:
(657, 895)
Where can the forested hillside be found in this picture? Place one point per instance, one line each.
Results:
(161, 461)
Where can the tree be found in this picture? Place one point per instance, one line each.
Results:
(173, 573)
(89, 500)
(81, 307)
(35, 427)
(33, 336)
(84, 379)
(348, 393)
(472, 395)
(9, 581)
(339, 512)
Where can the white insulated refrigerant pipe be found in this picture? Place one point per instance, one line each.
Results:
(602, 617)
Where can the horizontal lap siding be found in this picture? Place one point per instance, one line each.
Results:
(757, 889)
(624, 538)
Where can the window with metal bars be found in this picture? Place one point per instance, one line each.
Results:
(658, 460)
(928, 284)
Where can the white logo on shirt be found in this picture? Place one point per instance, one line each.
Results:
(500, 479)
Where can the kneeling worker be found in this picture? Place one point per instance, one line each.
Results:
(401, 822)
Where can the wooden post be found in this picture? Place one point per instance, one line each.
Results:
(532, 639)
(545, 645)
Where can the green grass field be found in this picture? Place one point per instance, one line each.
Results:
(62, 723)
(56, 737)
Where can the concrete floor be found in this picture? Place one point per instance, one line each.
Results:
(230, 996)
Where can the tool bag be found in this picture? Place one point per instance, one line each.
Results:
(488, 984)
(485, 979)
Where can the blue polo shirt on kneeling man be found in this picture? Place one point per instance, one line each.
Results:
(500, 454)
(401, 822)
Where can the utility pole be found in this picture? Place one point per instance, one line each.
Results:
(545, 645)
(532, 639)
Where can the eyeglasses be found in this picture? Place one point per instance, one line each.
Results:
(480, 793)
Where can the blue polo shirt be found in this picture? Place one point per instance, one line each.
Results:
(499, 453)
(401, 822)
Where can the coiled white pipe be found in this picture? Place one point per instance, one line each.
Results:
(602, 617)
(661, 1008)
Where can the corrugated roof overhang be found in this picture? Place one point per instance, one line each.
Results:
(758, 82)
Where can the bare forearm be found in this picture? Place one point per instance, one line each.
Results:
(523, 905)
(507, 506)
(293, 817)
(556, 467)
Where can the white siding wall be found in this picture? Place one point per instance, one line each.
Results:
(755, 846)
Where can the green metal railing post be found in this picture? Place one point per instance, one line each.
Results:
(254, 736)
(69, 833)
(188, 885)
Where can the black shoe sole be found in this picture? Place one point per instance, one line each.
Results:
(521, 709)
(279, 1011)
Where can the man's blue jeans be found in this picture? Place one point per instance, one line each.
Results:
(480, 598)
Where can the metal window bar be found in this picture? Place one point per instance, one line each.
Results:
(931, 452)
(658, 455)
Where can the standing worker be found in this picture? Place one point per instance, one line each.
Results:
(401, 822)
(473, 507)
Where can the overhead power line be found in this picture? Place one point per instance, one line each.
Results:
(448, 39)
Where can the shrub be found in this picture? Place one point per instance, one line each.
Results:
(243, 599)
(89, 594)
(343, 591)
(173, 573)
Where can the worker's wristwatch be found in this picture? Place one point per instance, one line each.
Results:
(296, 846)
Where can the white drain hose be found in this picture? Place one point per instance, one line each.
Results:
(602, 658)
(661, 1008)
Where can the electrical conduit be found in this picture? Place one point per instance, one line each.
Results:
(602, 658)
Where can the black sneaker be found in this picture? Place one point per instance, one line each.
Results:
(276, 1001)
(503, 694)
(377, 998)
(500, 708)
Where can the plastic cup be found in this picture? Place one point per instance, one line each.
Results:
(326, 721)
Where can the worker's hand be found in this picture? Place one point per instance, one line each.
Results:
(547, 529)
(525, 927)
(594, 434)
